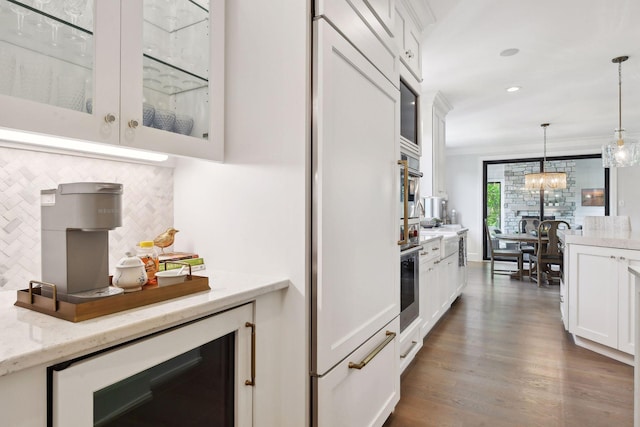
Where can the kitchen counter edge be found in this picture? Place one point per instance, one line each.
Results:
(30, 338)
(603, 238)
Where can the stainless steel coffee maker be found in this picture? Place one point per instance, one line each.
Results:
(76, 219)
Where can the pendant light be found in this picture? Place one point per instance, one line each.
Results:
(620, 152)
(545, 180)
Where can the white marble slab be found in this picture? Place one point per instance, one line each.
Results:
(28, 338)
(619, 239)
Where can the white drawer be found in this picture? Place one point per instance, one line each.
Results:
(350, 397)
(430, 250)
(410, 344)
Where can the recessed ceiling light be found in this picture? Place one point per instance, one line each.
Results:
(509, 52)
(513, 88)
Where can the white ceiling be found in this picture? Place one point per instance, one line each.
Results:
(564, 68)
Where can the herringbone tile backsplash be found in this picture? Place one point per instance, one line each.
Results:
(147, 205)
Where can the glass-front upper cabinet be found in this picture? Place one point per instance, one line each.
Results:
(147, 74)
(47, 68)
(178, 107)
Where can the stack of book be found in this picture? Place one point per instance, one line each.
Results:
(193, 259)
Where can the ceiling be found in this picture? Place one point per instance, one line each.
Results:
(563, 67)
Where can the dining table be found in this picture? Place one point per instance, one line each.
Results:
(523, 238)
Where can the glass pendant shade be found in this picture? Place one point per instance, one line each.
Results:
(621, 152)
(545, 181)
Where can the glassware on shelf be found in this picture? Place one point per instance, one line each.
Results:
(21, 13)
(40, 4)
(148, 113)
(183, 124)
(164, 119)
(74, 9)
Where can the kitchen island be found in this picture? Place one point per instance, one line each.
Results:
(597, 290)
(33, 341)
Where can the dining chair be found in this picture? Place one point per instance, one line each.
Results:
(498, 254)
(548, 252)
(528, 226)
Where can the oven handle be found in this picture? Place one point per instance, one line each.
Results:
(405, 165)
(412, 250)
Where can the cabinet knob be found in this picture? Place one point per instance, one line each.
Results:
(612, 257)
(109, 118)
(133, 124)
(409, 54)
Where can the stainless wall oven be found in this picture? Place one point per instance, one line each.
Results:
(410, 208)
(410, 211)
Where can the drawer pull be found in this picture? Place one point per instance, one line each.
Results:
(374, 353)
(435, 249)
(404, 355)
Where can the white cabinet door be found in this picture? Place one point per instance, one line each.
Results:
(365, 23)
(408, 40)
(51, 69)
(349, 397)
(452, 277)
(173, 77)
(593, 294)
(119, 72)
(626, 302)
(355, 285)
(429, 304)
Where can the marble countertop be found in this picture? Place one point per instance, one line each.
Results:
(29, 338)
(623, 239)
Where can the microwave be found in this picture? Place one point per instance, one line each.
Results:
(409, 116)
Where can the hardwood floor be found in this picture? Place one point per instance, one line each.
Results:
(501, 357)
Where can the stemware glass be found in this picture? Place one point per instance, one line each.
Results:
(20, 12)
(54, 9)
(40, 4)
(74, 8)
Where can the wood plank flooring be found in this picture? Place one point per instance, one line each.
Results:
(500, 357)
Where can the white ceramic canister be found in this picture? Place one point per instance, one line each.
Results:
(130, 273)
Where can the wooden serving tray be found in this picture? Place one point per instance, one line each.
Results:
(33, 299)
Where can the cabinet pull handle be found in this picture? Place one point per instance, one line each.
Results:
(109, 118)
(133, 124)
(435, 249)
(404, 355)
(252, 381)
(423, 253)
(374, 353)
(612, 257)
(405, 166)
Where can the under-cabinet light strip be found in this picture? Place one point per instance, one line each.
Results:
(78, 145)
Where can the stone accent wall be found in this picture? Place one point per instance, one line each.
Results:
(518, 202)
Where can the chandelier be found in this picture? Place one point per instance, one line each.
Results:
(620, 152)
(545, 180)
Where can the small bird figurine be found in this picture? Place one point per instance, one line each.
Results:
(164, 240)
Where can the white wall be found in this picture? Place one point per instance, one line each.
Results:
(251, 213)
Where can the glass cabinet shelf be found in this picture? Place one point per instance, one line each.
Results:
(170, 15)
(167, 79)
